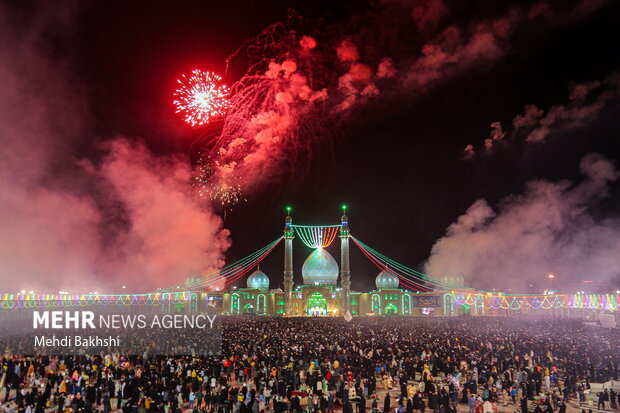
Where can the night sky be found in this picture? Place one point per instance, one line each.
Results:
(396, 160)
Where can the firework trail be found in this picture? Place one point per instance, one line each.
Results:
(305, 74)
(213, 185)
(273, 118)
(270, 117)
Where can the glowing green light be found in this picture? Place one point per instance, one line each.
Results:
(289, 209)
(344, 207)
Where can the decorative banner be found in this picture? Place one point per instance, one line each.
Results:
(425, 301)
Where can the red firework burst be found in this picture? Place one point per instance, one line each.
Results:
(201, 97)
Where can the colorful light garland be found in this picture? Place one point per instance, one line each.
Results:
(315, 237)
(225, 276)
(15, 301)
(230, 273)
(406, 274)
(495, 301)
(320, 236)
(415, 285)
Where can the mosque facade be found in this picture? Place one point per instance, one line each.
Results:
(325, 290)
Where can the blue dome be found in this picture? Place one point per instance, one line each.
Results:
(258, 280)
(320, 268)
(386, 280)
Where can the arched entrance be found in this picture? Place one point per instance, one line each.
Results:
(391, 309)
(376, 304)
(317, 304)
(260, 303)
(234, 304)
(406, 304)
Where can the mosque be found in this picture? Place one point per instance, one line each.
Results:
(325, 290)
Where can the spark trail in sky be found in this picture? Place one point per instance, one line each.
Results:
(216, 184)
(303, 78)
(201, 97)
(274, 121)
(271, 121)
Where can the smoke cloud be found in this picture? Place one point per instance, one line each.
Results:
(271, 108)
(586, 102)
(77, 224)
(461, 47)
(402, 48)
(550, 228)
(428, 14)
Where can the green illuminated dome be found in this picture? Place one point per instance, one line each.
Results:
(258, 280)
(386, 280)
(320, 268)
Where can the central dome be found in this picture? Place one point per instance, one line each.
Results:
(320, 268)
(258, 280)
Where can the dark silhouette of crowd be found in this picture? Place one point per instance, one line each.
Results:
(388, 364)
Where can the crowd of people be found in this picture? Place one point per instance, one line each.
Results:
(382, 364)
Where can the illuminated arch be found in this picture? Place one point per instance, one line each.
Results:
(406, 304)
(235, 303)
(479, 305)
(448, 304)
(193, 302)
(375, 301)
(261, 306)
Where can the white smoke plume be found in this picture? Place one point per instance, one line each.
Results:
(79, 225)
(550, 228)
(272, 127)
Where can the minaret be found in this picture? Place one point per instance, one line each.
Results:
(288, 261)
(345, 272)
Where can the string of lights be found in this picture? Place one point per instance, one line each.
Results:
(16, 301)
(231, 271)
(240, 274)
(404, 273)
(441, 285)
(415, 285)
(174, 295)
(497, 301)
(317, 236)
